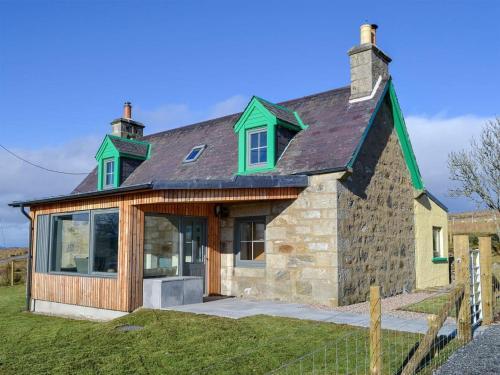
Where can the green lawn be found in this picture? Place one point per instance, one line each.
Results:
(431, 305)
(171, 343)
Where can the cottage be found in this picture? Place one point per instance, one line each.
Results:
(309, 200)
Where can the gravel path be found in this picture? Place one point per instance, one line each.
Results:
(481, 356)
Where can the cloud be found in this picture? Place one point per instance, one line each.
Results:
(22, 181)
(229, 106)
(170, 116)
(433, 138)
(166, 117)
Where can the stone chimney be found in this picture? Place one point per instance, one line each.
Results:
(369, 64)
(125, 127)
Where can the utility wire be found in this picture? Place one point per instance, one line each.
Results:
(39, 166)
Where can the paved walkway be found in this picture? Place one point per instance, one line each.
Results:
(237, 308)
(481, 356)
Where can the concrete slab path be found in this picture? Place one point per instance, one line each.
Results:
(236, 308)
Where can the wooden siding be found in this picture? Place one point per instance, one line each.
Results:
(124, 292)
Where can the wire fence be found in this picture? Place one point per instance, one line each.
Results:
(398, 346)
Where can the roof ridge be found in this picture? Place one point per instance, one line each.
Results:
(218, 119)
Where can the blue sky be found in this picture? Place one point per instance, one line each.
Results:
(66, 67)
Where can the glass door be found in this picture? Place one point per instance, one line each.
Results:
(161, 246)
(194, 247)
(174, 246)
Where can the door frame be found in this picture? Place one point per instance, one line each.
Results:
(180, 219)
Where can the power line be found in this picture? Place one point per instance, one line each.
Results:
(39, 166)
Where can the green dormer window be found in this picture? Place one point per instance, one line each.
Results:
(264, 129)
(117, 158)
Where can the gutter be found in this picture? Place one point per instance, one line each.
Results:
(29, 260)
(77, 196)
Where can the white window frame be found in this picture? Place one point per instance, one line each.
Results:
(106, 162)
(199, 148)
(259, 147)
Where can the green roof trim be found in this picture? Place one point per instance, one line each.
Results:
(401, 131)
(404, 140)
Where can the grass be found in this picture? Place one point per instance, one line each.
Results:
(170, 342)
(431, 305)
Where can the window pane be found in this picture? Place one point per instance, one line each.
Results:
(254, 156)
(161, 246)
(70, 243)
(436, 241)
(258, 251)
(263, 138)
(105, 242)
(245, 251)
(192, 155)
(258, 231)
(109, 166)
(245, 231)
(254, 140)
(263, 155)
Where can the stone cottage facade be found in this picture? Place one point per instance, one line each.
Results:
(309, 200)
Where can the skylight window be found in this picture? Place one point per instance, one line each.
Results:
(194, 154)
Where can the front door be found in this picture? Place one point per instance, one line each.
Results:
(194, 247)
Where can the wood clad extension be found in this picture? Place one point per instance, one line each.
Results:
(124, 292)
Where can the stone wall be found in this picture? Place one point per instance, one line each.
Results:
(375, 218)
(301, 248)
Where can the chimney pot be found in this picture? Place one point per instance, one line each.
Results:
(368, 33)
(127, 110)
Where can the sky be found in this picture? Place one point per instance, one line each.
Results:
(66, 67)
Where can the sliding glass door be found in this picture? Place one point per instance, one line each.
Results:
(174, 246)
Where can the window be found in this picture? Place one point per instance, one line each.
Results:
(105, 241)
(257, 147)
(194, 154)
(85, 242)
(70, 243)
(250, 241)
(161, 246)
(109, 173)
(437, 242)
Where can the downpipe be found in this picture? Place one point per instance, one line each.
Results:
(29, 259)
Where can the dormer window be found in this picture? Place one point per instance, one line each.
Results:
(264, 131)
(109, 170)
(194, 154)
(257, 147)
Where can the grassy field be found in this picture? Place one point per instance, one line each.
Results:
(20, 265)
(169, 343)
(430, 305)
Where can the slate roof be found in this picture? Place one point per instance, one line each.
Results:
(335, 128)
(130, 147)
(279, 111)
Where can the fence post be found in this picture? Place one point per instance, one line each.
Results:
(375, 331)
(486, 279)
(12, 273)
(462, 275)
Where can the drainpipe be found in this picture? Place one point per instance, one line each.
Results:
(28, 262)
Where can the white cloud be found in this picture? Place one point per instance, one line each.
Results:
(21, 181)
(433, 138)
(229, 106)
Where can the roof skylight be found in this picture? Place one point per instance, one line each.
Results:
(194, 154)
